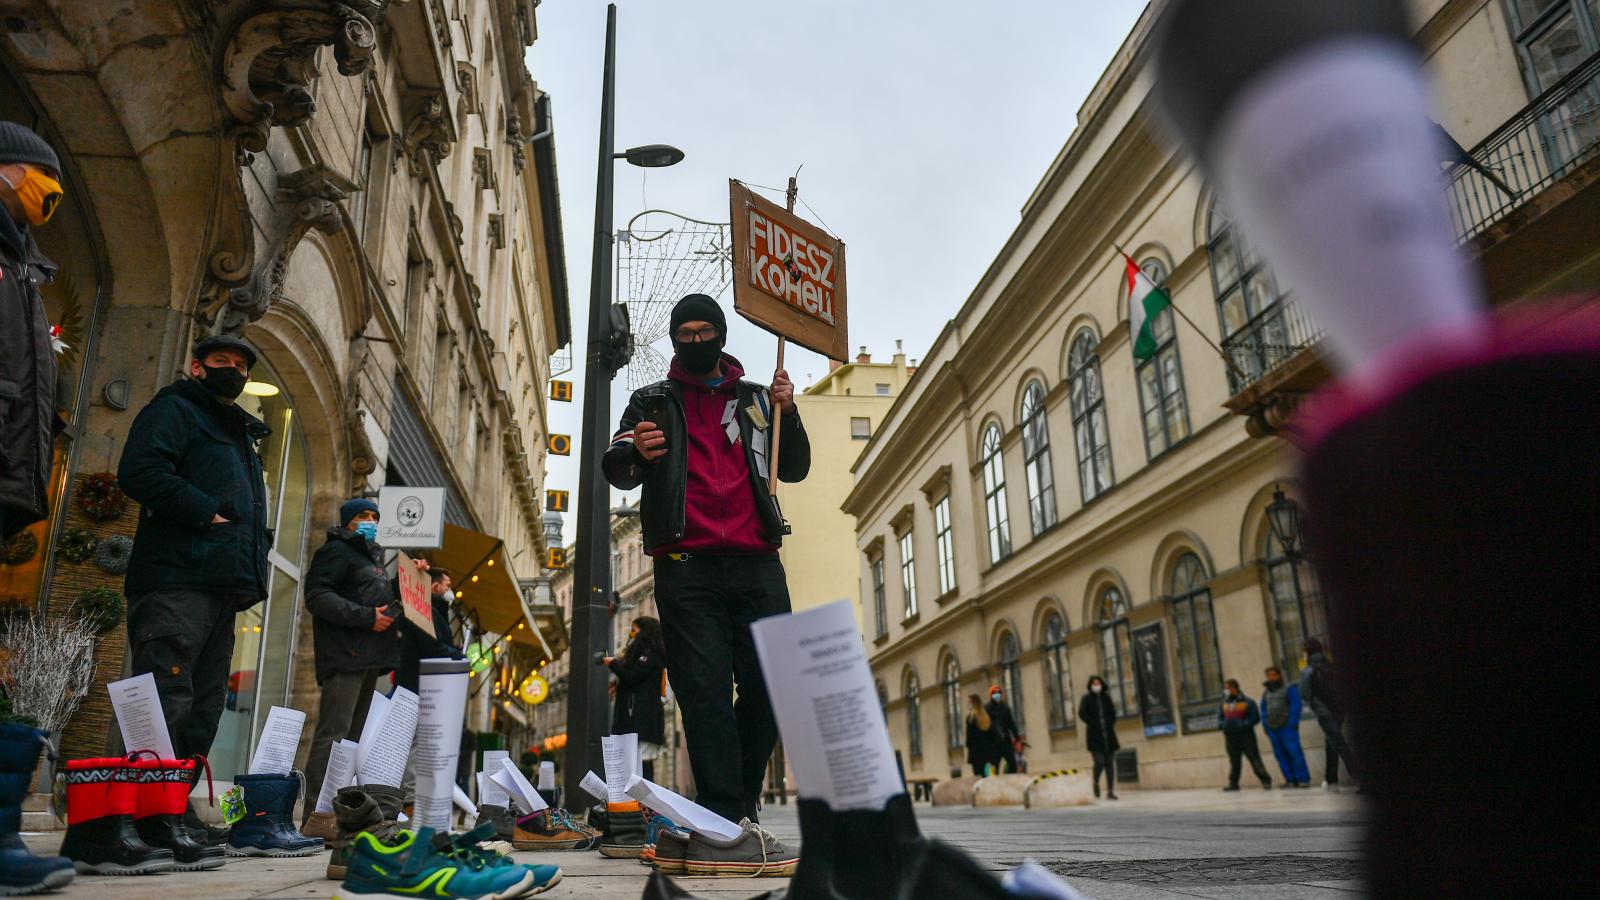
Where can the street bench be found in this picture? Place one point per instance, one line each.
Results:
(922, 788)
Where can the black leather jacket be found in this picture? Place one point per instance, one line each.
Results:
(28, 420)
(665, 481)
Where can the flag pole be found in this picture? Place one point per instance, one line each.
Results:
(1173, 305)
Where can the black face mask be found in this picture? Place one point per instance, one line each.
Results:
(698, 357)
(223, 381)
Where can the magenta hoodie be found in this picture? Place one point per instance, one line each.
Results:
(719, 506)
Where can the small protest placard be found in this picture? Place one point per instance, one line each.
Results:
(414, 595)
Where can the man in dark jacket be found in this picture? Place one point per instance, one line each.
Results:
(714, 530)
(200, 552)
(416, 644)
(30, 190)
(1238, 718)
(1319, 689)
(353, 605)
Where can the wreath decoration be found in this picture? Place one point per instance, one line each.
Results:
(100, 607)
(20, 549)
(100, 498)
(113, 553)
(76, 545)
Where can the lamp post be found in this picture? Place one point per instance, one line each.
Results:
(587, 703)
(1283, 517)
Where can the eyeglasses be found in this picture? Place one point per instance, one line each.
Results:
(694, 336)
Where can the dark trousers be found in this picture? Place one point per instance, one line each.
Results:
(342, 704)
(707, 604)
(1241, 746)
(1107, 763)
(1337, 748)
(185, 640)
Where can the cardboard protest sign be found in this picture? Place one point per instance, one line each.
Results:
(788, 274)
(414, 589)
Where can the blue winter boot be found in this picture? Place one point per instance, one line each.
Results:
(267, 828)
(20, 871)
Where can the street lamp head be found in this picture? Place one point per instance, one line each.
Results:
(653, 156)
(1283, 517)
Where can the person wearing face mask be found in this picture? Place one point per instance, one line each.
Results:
(417, 645)
(30, 189)
(697, 444)
(1237, 718)
(1099, 717)
(1280, 719)
(1005, 726)
(354, 606)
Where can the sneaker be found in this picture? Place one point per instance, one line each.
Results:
(552, 829)
(671, 846)
(625, 831)
(756, 852)
(652, 831)
(1231, 787)
(1330, 787)
(423, 863)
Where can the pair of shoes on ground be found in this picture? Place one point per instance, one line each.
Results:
(425, 863)
(130, 815)
(755, 852)
(547, 829)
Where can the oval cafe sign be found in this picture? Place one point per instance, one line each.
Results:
(788, 274)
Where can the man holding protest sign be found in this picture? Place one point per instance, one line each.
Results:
(698, 445)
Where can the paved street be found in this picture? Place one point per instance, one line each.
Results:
(1164, 844)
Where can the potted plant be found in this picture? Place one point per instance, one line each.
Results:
(46, 668)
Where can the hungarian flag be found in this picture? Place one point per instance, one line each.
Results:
(1145, 303)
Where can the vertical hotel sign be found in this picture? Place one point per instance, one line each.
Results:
(788, 274)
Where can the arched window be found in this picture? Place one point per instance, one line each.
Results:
(994, 495)
(1296, 603)
(1036, 457)
(914, 711)
(1057, 672)
(1199, 663)
(953, 718)
(1116, 652)
(1011, 675)
(1253, 333)
(1161, 400)
(1089, 430)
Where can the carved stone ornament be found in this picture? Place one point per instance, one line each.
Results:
(497, 233)
(428, 134)
(514, 137)
(308, 198)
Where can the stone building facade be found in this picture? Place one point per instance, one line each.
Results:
(1084, 512)
(365, 190)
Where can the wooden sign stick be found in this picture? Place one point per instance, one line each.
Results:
(777, 412)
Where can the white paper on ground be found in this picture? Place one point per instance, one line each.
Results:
(403, 818)
(827, 708)
(441, 714)
(341, 767)
(375, 714)
(621, 753)
(280, 738)
(382, 757)
(137, 705)
(489, 792)
(1033, 880)
(522, 793)
(683, 811)
(596, 788)
(547, 776)
(461, 800)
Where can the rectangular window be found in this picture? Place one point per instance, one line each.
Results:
(860, 428)
(908, 574)
(1199, 663)
(878, 606)
(883, 390)
(1166, 414)
(947, 547)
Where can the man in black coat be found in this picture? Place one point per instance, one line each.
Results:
(416, 644)
(29, 192)
(200, 552)
(354, 605)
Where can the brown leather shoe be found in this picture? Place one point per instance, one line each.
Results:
(552, 830)
(321, 825)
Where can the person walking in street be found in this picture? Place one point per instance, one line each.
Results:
(353, 606)
(638, 707)
(1099, 717)
(1319, 689)
(983, 742)
(30, 191)
(1238, 718)
(200, 549)
(1280, 719)
(1005, 725)
(697, 443)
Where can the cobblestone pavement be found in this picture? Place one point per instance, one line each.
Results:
(1155, 844)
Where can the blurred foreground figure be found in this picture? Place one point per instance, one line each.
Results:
(1451, 475)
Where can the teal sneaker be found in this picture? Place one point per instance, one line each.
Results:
(473, 848)
(418, 865)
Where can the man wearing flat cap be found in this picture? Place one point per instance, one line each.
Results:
(30, 189)
(200, 554)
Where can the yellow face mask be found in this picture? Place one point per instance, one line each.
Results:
(39, 194)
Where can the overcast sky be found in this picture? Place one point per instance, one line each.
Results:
(922, 128)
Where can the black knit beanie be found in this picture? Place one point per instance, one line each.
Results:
(18, 144)
(699, 308)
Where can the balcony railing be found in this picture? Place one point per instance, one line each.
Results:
(1269, 340)
(1549, 138)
